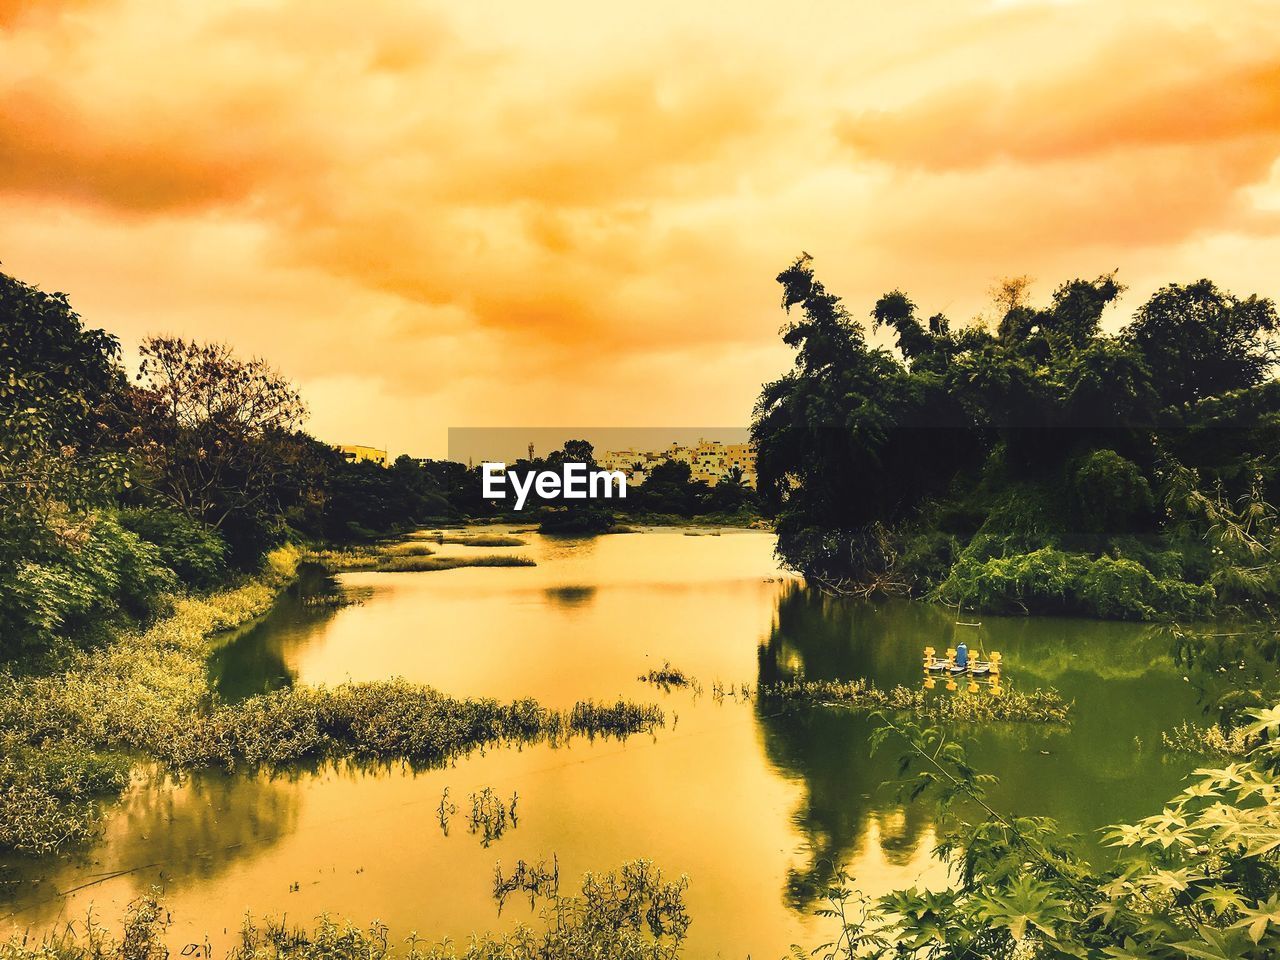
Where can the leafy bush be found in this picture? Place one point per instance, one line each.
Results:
(1196, 879)
(98, 572)
(1111, 493)
(1070, 583)
(196, 553)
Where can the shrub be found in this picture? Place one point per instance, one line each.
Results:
(1110, 492)
(98, 572)
(196, 553)
(1055, 581)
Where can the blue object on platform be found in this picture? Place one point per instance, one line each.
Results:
(962, 655)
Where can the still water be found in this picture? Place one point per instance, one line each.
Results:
(752, 804)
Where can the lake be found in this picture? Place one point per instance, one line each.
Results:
(753, 803)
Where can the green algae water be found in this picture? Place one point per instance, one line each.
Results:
(754, 803)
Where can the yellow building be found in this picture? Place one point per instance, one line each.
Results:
(354, 453)
(709, 461)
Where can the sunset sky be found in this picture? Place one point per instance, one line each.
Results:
(550, 213)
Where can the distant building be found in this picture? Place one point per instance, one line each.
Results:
(354, 453)
(709, 461)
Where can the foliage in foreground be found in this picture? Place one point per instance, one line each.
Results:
(1198, 879)
(628, 914)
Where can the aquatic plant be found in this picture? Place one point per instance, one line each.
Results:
(50, 794)
(409, 549)
(617, 719)
(667, 676)
(407, 558)
(444, 811)
(628, 914)
(1039, 706)
(490, 815)
(426, 564)
(1213, 740)
(483, 540)
(533, 880)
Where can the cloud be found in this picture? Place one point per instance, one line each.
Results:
(430, 214)
(1146, 92)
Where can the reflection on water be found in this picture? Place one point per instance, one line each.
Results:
(160, 834)
(754, 804)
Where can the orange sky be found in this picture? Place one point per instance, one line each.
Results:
(433, 215)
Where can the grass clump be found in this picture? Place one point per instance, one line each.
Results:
(613, 719)
(380, 721)
(1039, 706)
(632, 913)
(411, 548)
(412, 564)
(1212, 741)
(667, 676)
(483, 540)
(410, 557)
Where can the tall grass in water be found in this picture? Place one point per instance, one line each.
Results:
(617, 719)
(1039, 706)
(483, 540)
(413, 564)
(628, 914)
(667, 677)
(411, 557)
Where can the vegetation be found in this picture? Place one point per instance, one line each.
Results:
(483, 540)
(1041, 466)
(1039, 706)
(1197, 879)
(628, 914)
(423, 564)
(66, 734)
(408, 557)
(667, 676)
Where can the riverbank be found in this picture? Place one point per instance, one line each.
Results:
(70, 736)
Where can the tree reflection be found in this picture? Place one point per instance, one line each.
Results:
(1106, 766)
(821, 637)
(255, 658)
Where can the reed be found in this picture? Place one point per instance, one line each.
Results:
(667, 677)
(1039, 706)
(418, 564)
(491, 815)
(483, 540)
(1212, 741)
(632, 913)
(619, 719)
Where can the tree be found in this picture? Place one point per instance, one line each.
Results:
(212, 429)
(59, 376)
(948, 465)
(1200, 342)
